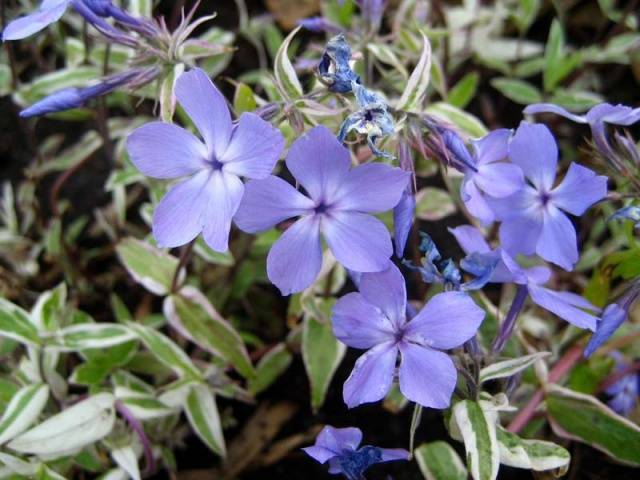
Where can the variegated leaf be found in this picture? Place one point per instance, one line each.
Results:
(413, 95)
(439, 461)
(202, 413)
(510, 367)
(286, 77)
(23, 410)
(534, 454)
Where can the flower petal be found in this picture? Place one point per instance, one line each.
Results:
(179, 216)
(206, 106)
(475, 202)
(387, 291)
(372, 375)
(26, 26)
(534, 149)
(580, 189)
(254, 148)
(359, 241)
(492, 147)
(499, 179)
(563, 306)
(403, 214)
(470, 239)
(371, 188)
(163, 150)
(268, 202)
(332, 442)
(614, 114)
(391, 454)
(223, 201)
(612, 317)
(427, 376)
(295, 259)
(557, 242)
(359, 324)
(319, 162)
(447, 321)
(320, 454)
(520, 234)
(551, 108)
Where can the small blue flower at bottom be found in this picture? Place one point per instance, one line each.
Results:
(624, 392)
(339, 447)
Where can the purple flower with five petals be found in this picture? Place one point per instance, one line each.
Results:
(534, 219)
(209, 198)
(339, 205)
(376, 319)
(493, 175)
(339, 447)
(569, 306)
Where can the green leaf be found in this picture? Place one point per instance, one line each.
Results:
(507, 368)
(89, 373)
(434, 204)
(167, 99)
(439, 461)
(5, 80)
(144, 407)
(49, 307)
(166, 351)
(47, 473)
(270, 367)
(23, 410)
(575, 100)
(584, 418)
(48, 83)
(148, 265)
(467, 122)
(244, 100)
(16, 324)
(386, 55)
(321, 351)
(191, 313)
(538, 455)
(464, 91)
(127, 459)
(286, 77)
(91, 336)
(517, 90)
(558, 63)
(478, 433)
(202, 413)
(414, 92)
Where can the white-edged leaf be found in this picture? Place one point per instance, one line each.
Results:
(439, 461)
(145, 407)
(286, 77)
(202, 413)
(148, 265)
(126, 458)
(46, 473)
(434, 204)
(270, 367)
(23, 410)
(413, 94)
(17, 465)
(48, 308)
(15, 324)
(478, 433)
(465, 121)
(70, 430)
(115, 474)
(538, 455)
(91, 335)
(507, 368)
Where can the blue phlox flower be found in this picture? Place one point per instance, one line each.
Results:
(404, 212)
(630, 212)
(334, 69)
(320, 24)
(624, 392)
(446, 145)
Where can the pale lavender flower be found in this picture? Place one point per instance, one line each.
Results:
(339, 447)
(339, 205)
(569, 306)
(404, 211)
(209, 198)
(624, 393)
(375, 319)
(319, 24)
(494, 176)
(534, 219)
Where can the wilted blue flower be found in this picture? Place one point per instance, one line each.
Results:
(568, 306)
(209, 198)
(533, 219)
(372, 119)
(493, 176)
(444, 144)
(624, 393)
(631, 213)
(339, 447)
(375, 319)
(339, 205)
(319, 24)
(334, 69)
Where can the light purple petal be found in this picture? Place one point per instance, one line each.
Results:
(334, 441)
(614, 114)
(268, 202)
(371, 188)
(163, 150)
(29, 24)
(372, 375)
(520, 235)
(295, 259)
(499, 179)
(403, 214)
(612, 317)
(492, 147)
(387, 291)
(562, 306)
(475, 202)
(206, 106)
(179, 216)
(427, 376)
(320, 454)
(359, 241)
(447, 321)
(580, 189)
(551, 108)
(538, 275)
(223, 201)
(319, 162)
(359, 324)
(557, 242)
(534, 149)
(391, 454)
(525, 202)
(254, 148)
(470, 239)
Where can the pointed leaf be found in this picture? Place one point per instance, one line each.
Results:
(127, 459)
(23, 410)
(286, 77)
(535, 455)
(270, 367)
(413, 95)
(439, 461)
(202, 412)
(91, 336)
(15, 323)
(507, 368)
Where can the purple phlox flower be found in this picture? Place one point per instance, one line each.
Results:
(320, 24)
(493, 176)
(446, 145)
(334, 69)
(375, 319)
(534, 218)
(613, 316)
(404, 212)
(624, 393)
(208, 198)
(338, 205)
(569, 306)
(339, 447)
(597, 118)
(75, 97)
(372, 11)
(372, 119)
(631, 213)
